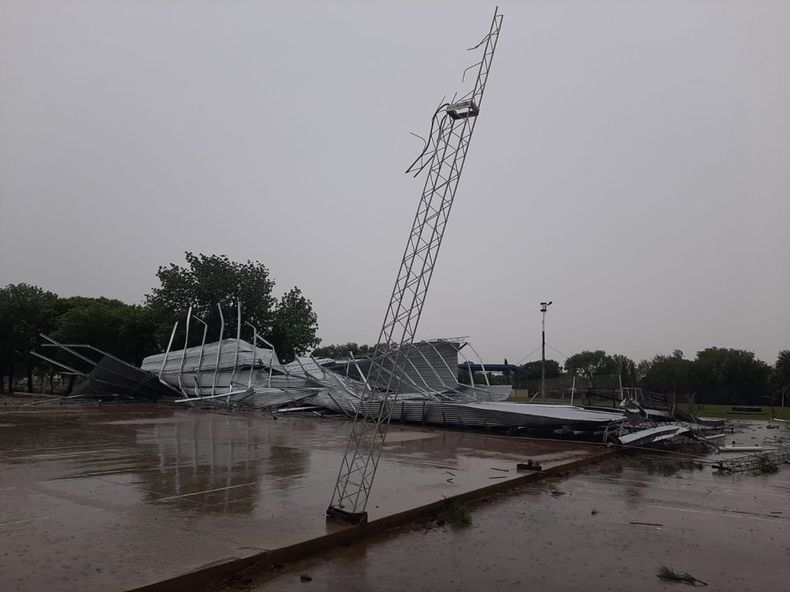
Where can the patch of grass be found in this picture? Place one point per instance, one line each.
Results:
(765, 466)
(706, 410)
(670, 575)
(456, 515)
(552, 488)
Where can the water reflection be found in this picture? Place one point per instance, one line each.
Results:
(218, 463)
(187, 459)
(240, 463)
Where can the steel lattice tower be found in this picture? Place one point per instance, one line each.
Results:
(443, 156)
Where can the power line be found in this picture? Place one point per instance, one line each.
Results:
(528, 355)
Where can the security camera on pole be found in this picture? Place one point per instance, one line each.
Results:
(543, 307)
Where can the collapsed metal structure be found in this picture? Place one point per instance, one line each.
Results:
(103, 374)
(443, 156)
(232, 372)
(237, 372)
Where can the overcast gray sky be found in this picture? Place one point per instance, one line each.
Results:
(631, 161)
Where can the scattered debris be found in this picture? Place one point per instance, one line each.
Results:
(754, 462)
(765, 466)
(530, 465)
(715, 436)
(670, 575)
(736, 448)
(653, 434)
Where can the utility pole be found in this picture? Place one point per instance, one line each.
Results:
(543, 307)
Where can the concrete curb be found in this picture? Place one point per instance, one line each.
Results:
(227, 570)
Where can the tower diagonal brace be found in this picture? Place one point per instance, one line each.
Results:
(449, 143)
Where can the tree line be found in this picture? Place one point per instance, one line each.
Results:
(715, 375)
(133, 331)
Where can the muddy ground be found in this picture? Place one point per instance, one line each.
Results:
(610, 527)
(117, 497)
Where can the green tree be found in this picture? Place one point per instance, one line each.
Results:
(127, 331)
(553, 369)
(294, 326)
(208, 280)
(781, 374)
(668, 374)
(211, 280)
(724, 375)
(25, 311)
(642, 368)
(342, 351)
(590, 363)
(625, 367)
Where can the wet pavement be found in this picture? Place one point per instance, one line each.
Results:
(116, 497)
(609, 527)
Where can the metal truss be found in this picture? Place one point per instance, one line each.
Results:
(109, 377)
(753, 462)
(235, 388)
(443, 156)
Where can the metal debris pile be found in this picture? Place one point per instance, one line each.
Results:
(416, 382)
(234, 373)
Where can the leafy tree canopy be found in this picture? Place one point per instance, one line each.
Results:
(781, 375)
(553, 369)
(625, 367)
(124, 330)
(342, 351)
(590, 363)
(294, 325)
(25, 311)
(210, 280)
(729, 375)
(667, 374)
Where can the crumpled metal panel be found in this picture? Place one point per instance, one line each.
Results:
(209, 363)
(496, 415)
